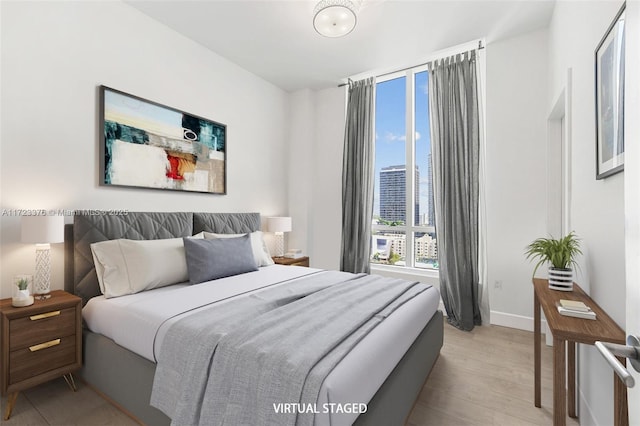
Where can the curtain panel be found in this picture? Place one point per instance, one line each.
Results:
(455, 147)
(358, 178)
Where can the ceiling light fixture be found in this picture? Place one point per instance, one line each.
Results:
(334, 18)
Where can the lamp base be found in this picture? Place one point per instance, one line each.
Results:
(42, 284)
(279, 249)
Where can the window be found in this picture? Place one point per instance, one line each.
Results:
(403, 232)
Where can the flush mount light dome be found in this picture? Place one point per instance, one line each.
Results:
(334, 18)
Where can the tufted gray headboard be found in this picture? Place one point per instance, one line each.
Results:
(102, 226)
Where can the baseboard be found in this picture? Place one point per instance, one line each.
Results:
(520, 322)
(504, 319)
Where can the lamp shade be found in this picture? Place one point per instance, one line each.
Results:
(279, 224)
(42, 229)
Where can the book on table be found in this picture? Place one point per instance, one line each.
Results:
(574, 305)
(577, 314)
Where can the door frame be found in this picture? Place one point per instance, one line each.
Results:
(559, 163)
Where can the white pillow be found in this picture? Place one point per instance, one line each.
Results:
(260, 250)
(131, 266)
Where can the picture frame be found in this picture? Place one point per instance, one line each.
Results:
(609, 96)
(145, 144)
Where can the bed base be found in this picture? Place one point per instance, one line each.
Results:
(395, 399)
(126, 378)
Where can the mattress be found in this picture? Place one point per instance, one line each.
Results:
(140, 321)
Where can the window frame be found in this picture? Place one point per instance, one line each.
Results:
(410, 229)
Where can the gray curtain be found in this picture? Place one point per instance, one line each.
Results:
(455, 147)
(357, 178)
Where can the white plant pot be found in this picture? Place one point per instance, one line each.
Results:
(22, 298)
(561, 279)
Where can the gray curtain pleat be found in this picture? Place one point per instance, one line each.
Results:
(357, 178)
(455, 147)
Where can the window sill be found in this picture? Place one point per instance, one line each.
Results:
(429, 276)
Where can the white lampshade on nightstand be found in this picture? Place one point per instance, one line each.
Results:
(42, 231)
(279, 225)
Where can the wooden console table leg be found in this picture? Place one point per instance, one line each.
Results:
(620, 405)
(571, 378)
(537, 349)
(559, 391)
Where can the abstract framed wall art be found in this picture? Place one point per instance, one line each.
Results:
(148, 145)
(610, 62)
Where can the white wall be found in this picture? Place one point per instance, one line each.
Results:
(55, 54)
(597, 207)
(516, 167)
(326, 215)
(315, 187)
(302, 140)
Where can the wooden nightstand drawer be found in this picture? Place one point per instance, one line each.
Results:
(41, 327)
(42, 357)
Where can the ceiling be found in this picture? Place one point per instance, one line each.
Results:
(275, 39)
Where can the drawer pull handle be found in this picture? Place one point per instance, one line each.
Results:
(43, 316)
(44, 345)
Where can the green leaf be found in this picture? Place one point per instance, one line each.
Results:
(559, 253)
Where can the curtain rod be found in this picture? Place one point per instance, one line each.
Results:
(480, 46)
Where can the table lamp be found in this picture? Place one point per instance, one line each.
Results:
(279, 225)
(42, 231)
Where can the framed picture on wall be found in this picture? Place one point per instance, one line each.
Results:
(609, 72)
(148, 145)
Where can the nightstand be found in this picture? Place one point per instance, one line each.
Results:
(39, 343)
(301, 261)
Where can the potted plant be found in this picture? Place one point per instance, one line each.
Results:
(22, 294)
(560, 254)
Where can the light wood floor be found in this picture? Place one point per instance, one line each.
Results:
(481, 378)
(485, 377)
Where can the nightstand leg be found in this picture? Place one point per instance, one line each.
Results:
(11, 401)
(72, 383)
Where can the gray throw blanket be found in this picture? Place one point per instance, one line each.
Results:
(229, 364)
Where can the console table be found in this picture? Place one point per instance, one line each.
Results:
(567, 331)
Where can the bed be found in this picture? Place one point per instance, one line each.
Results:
(125, 373)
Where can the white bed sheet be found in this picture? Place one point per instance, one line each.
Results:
(140, 321)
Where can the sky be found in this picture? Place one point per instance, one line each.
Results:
(391, 131)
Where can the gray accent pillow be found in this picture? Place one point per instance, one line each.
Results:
(212, 259)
